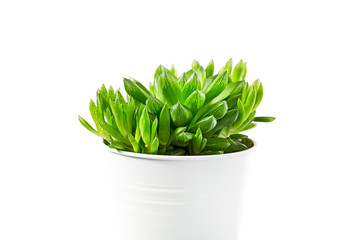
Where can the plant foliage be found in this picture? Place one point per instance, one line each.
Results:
(199, 112)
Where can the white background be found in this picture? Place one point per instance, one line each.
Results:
(304, 179)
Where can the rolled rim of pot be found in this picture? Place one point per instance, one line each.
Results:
(182, 158)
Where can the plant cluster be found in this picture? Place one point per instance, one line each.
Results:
(197, 113)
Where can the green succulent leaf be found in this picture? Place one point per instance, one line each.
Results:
(180, 115)
(263, 119)
(200, 72)
(239, 146)
(145, 127)
(208, 82)
(259, 96)
(198, 143)
(219, 110)
(154, 105)
(182, 80)
(229, 118)
(119, 97)
(217, 144)
(120, 119)
(228, 66)
(238, 136)
(224, 132)
(195, 65)
(250, 126)
(189, 73)
(88, 126)
(195, 101)
(250, 101)
(168, 88)
(217, 86)
(154, 128)
(176, 152)
(210, 69)
(245, 91)
(130, 111)
(158, 71)
(177, 131)
(136, 90)
(247, 121)
(134, 143)
(93, 112)
(248, 142)
(239, 72)
(164, 126)
(154, 146)
(137, 131)
(111, 94)
(173, 70)
(117, 145)
(242, 115)
(206, 124)
(183, 139)
(192, 84)
(111, 131)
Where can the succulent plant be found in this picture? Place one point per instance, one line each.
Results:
(196, 113)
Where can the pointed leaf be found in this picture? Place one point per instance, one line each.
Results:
(201, 75)
(182, 80)
(224, 132)
(145, 126)
(88, 126)
(136, 90)
(217, 144)
(238, 71)
(176, 152)
(164, 126)
(219, 110)
(158, 71)
(239, 146)
(195, 65)
(264, 119)
(195, 101)
(228, 66)
(259, 96)
(180, 115)
(154, 105)
(168, 88)
(210, 69)
(154, 128)
(227, 120)
(250, 101)
(238, 136)
(242, 114)
(217, 86)
(111, 131)
(154, 146)
(250, 126)
(173, 70)
(206, 124)
(190, 86)
(134, 143)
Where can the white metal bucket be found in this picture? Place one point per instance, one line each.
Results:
(179, 197)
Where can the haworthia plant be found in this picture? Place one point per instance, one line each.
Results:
(199, 112)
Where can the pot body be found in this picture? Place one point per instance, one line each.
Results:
(179, 197)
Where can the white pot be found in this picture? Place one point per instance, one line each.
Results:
(179, 197)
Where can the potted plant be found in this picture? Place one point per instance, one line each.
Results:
(178, 150)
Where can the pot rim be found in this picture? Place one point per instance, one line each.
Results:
(146, 156)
